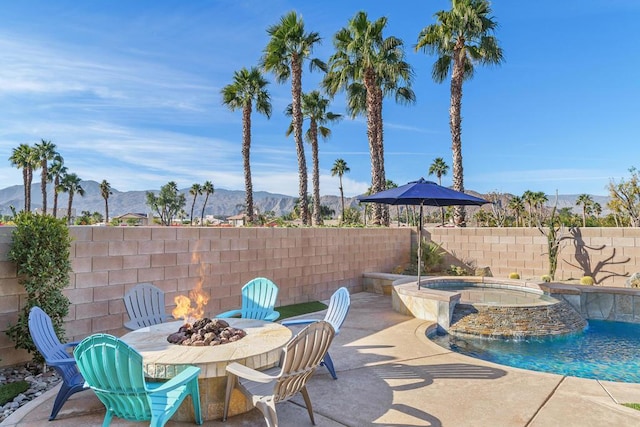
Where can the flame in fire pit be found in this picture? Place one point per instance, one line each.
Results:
(192, 307)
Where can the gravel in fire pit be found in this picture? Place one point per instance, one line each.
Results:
(206, 332)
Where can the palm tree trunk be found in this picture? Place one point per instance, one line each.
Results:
(372, 130)
(25, 180)
(317, 217)
(296, 108)
(380, 149)
(43, 187)
(455, 115)
(106, 211)
(69, 207)
(28, 189)
(206, 199)
(56, 183)
(246, 159)
(341, 199)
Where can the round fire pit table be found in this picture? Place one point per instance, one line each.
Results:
(259, 349)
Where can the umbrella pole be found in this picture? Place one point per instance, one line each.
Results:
(419, 245)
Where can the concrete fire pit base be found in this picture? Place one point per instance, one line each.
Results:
(162, 360)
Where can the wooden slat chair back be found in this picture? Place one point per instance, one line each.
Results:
(259, 298)
(300, 358)
(114, 371)
(145, 306)
(57, 355)
(336, 315)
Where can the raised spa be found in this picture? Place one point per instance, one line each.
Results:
(487, 307)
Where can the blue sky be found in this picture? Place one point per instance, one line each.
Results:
(130, 92)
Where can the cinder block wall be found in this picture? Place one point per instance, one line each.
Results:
(306, 263)
(609, 255)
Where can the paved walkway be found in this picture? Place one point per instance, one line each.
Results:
(389, 374)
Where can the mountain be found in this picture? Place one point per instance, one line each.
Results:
(221, 203)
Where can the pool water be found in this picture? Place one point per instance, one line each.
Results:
(606, 350)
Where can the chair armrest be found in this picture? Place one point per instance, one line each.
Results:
(272, 316)
(298, 322)
(230, 313)
(131, 325)
(250, 374)
(70, 346)
(61, 362)
(189, 374)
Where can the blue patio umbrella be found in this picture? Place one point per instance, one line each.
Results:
(423, 193)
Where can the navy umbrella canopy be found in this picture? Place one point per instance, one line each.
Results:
(423, 193)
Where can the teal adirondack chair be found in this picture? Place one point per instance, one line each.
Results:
(336, 314)
(114, 371)
(258, 301)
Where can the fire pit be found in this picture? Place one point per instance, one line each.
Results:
(260, 348)
(205, 332)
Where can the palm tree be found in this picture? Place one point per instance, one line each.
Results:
(105, 192)
(340, 168)
(24, 157)
(248, 86)
(195, 190)
(284, 55)
(207, 189)
(45, 151)
(314, 107)
(462, 38)
(70, 183)
(539, 199)
(528, 197)
(55, 172)
(586, 201)
(516, 204)
(439, 168)
(369, 67)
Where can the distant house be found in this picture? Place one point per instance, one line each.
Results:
(237, 220)
(133, 218)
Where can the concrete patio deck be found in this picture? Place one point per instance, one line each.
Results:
(390, 374)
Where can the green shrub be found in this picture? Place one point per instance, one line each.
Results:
(455, 270)
(514, 276)
(546, 278)
(432, 256)
(587, 280)
(10, 390)
(40, 248)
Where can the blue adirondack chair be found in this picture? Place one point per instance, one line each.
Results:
(145, 306)
(258, 301)
(114, 371)
(56, 355)
(336, 315)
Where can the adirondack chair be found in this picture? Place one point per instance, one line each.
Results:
(114, 371)
(299, 360)
(145, 306)
(258, 301)
(336, 315)
(55, 355)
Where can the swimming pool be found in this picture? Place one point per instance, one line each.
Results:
(605, 350)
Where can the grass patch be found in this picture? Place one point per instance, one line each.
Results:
(10, 390)
(298, 309)
(635, 406)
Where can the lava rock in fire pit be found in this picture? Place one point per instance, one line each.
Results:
(205, 332)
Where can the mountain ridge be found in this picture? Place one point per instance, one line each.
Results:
(222, 202)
